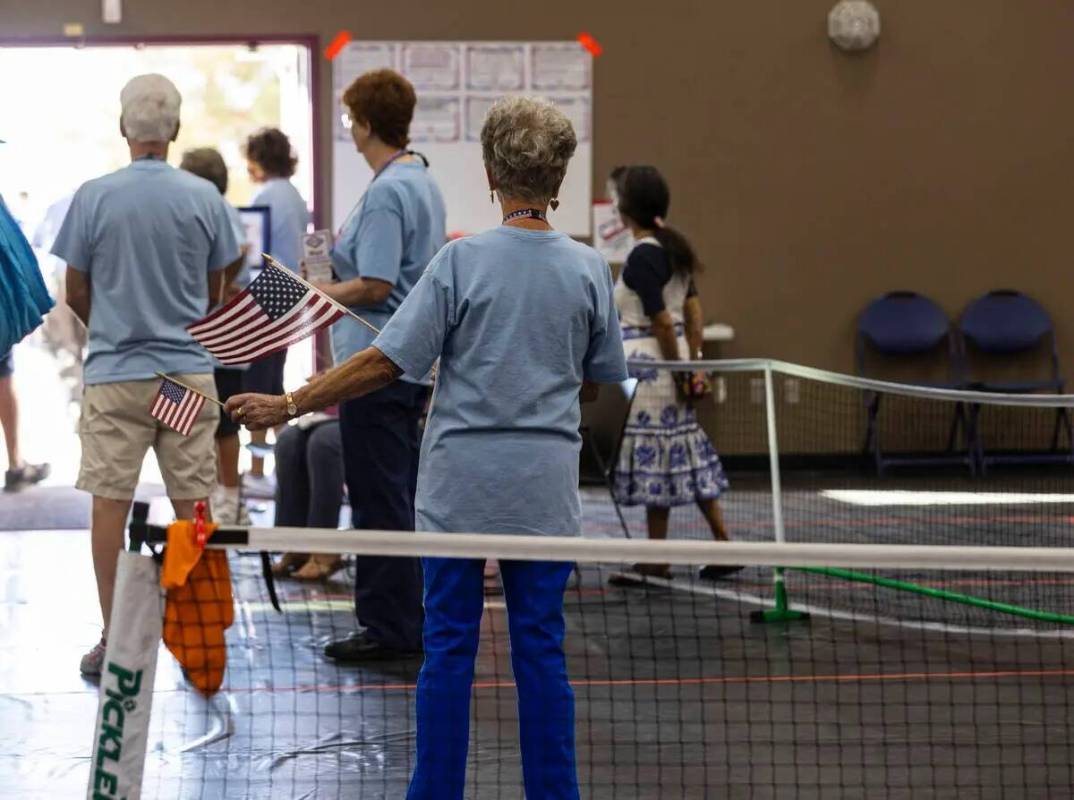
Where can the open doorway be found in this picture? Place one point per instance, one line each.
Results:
(64, 130)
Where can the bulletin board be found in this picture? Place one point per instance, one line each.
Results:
(456, 83)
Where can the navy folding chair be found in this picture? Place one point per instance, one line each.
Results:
(1006, 323)
(906, 325)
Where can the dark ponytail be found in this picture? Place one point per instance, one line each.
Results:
(644, 198)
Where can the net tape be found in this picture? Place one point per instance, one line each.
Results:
(868, 384)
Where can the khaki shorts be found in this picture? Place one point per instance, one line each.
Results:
(116, 430)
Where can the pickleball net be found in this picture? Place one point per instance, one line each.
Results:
(902, 627)
(962, 686)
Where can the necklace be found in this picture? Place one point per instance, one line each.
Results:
(526, 213)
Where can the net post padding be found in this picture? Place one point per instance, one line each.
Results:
(125, 699)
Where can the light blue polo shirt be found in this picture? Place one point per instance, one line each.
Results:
(289, 218)
(519, 319)
(147, 236)
(392, 235)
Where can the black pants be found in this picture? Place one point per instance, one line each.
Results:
(309, 476)
(380, 458)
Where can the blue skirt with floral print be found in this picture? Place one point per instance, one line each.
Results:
(666, 458)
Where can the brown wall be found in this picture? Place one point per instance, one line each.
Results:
(809, 180)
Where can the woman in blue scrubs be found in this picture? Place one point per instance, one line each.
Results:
(521, 318)
(383, 248)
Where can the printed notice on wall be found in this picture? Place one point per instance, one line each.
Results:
(436, 119)
(477, 108)
(577, 110)
(495, 67)
(456, 83)
(558, 67)
(432, 67)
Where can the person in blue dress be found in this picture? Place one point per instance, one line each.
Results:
(523, 322)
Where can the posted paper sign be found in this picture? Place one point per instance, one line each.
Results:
(316, 256)
(611, 238)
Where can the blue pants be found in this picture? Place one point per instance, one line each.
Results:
(380, 460)
(454, 600)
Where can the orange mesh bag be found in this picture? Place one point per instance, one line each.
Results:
(199, 606)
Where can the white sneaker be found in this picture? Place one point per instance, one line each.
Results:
(263, 486)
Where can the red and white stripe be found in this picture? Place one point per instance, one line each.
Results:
(242, 332)
(178, 416)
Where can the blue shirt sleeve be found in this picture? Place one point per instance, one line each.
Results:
(414, 337)
(73, 242)
(224, 248)
(604, 361)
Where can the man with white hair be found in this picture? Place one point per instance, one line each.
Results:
(146, 248)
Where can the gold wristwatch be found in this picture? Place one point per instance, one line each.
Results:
(292, 409)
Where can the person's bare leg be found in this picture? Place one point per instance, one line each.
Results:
(656, 520)
(714, 516)
(257, 465)
(9, 421)
(227, 451)
(106, 538)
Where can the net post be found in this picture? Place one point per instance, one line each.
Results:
(782, 611)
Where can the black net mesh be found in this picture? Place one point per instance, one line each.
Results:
(870, 682)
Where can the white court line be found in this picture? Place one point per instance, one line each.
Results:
(849, 616)
(898, 497)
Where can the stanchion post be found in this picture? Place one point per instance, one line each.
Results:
(782, 612)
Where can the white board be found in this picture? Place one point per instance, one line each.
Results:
(456, 82)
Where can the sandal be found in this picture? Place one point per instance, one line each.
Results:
(288, 564)
(318, 568)
(714, 572)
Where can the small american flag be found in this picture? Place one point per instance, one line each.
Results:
(272, 313)
(176, 406)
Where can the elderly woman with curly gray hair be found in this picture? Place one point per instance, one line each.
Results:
(523, 322)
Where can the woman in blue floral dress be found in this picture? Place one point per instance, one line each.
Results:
(666, 459)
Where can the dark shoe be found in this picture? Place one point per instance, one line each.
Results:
(26, 475)
(359, 647)
(715, 572)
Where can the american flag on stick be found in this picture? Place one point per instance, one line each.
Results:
(177, 406)
(274, 312)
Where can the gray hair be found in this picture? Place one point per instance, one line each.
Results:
(206, 162)
(526, 143)
(150, 109)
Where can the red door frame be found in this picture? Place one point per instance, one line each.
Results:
(310, 41)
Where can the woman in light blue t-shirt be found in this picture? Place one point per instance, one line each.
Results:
(271, 162)
(521, 318)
